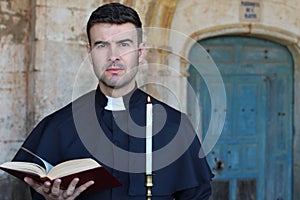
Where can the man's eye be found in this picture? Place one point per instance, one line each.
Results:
(124, 44)
(101, 45)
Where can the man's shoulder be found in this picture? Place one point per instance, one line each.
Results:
(169, 109)
(172, 114)
(155, 100)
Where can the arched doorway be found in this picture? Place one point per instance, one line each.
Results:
(253, 157)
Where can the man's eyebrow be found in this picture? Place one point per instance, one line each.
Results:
(125, 40)
(100, 42)
(106, 42)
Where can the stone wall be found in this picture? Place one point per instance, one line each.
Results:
(15, 50)
(43, 57)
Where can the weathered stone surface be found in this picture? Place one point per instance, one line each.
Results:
(38, 77)
(61, 24)
(13, 189)
(55, 74)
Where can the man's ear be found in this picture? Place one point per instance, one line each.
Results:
(88, 48)
(142, 51)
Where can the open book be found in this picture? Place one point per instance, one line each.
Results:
(85, 169)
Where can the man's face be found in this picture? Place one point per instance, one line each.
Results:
(115, 53)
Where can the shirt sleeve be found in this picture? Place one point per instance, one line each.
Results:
(196, 193)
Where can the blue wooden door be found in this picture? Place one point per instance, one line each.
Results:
(253, 156)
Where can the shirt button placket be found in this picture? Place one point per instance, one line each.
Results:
(116, 143)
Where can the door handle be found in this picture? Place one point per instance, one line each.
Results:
(219, 165)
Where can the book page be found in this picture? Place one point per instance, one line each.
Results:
(72, 167)
(32, 168)
(46, 164)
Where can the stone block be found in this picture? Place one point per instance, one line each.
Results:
(11, 147)
(281, 15)
(55, 73)
(16, 57)
(12, 188)
(14, 23)
(65, 3)
(296, 183)
(13, 106)
(61, 24)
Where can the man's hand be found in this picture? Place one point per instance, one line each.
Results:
(53, 191)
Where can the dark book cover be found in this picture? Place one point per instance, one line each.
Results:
(103, 179)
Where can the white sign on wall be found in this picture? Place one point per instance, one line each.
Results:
(250, 10)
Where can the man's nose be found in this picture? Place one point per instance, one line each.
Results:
(114, 54)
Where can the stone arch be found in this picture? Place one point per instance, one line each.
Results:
(280, 36)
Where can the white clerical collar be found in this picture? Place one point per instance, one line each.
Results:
(115, 104)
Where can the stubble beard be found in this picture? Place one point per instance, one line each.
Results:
(117, 82)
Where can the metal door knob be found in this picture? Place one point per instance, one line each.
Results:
(219, 165)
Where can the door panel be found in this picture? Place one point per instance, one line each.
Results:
(252, 158)
(221, 190)
(279, 145)
(246, 189)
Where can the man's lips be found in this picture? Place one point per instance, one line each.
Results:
(114, 70)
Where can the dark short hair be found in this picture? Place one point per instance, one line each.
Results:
(115, 13)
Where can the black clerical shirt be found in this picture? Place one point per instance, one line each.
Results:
(186, 178)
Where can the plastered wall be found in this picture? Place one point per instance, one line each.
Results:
(43, 56)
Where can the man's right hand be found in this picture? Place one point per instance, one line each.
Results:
(53, 191)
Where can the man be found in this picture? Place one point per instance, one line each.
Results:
(108, 124)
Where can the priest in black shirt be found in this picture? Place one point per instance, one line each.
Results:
(108, 124)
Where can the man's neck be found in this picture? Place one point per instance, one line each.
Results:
(116, 92)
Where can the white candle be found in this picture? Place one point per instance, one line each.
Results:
(149, 137)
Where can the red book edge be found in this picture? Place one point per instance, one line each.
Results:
(103, 179)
